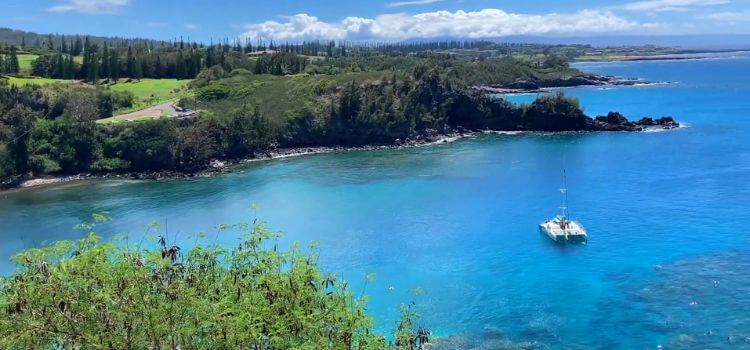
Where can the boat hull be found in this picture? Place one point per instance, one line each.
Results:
(552, 230)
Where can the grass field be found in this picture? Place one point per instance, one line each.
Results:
(150, 92)
(34, 81)
(24, 62)
(278, 97)
(155, 89)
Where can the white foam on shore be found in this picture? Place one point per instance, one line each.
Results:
(658, 129)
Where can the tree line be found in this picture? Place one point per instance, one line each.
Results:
(104, 62)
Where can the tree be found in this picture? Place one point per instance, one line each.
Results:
(77, 47)
(43, 66)
(19, 120)
(160, 71)
(180, 66)
(60, 67)
(114, 66)
(12, 61)
(130, 63)
(70, 70)
(63, 45)
(104, 59)
(90, 66)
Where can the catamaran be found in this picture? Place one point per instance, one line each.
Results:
(561, 228)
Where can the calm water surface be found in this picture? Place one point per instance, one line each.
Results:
(668, 214)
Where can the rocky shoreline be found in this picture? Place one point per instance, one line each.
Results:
(219, 166)
(535, 85)
(612, 122)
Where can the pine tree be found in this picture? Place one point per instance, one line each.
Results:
(2, 64)
(130, 63)
(138, 68)
(114, 66)
(145, 69)
(180, 67)
(77, 47)
(104, 66)
(12, 60)
(64, 45)
(209, 57)
(60, 67)
(159, 69)
(70, 70)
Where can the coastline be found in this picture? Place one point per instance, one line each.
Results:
(219, 166)
(545, 86)
(663, 57)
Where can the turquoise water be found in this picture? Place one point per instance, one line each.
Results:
(667, 214)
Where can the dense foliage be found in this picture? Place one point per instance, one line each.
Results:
(124, 295)
(255, 97)
(53, 130)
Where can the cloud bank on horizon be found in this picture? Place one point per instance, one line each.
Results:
(403, 20)
(486, 23)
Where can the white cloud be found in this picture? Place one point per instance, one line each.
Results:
(730, 17)
(90, 6)
(191, 26)
(669, 5)
(411, 2)
(487, 23)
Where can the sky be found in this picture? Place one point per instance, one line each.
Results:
(381, 20)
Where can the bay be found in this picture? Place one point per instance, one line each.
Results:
(666, 212)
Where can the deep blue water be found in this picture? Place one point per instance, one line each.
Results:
(667, 213)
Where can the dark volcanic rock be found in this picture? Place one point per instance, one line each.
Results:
(646, 121)
(614, 118)
(614, 121)
(667, 123)
(536, 84)
(523, 85)
(663, 122)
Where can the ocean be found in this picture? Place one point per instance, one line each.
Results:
(667, 262)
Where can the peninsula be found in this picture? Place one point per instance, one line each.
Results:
(205, 106)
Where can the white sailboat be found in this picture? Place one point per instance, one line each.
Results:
(561, 228)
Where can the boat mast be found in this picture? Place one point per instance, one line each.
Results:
(564, 192)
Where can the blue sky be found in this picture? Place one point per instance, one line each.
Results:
(287, 20)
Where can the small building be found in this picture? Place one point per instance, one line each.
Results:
(261, 53)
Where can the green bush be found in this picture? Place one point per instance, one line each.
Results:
(120, 295)
(123, 99)
(105, 165)
(43, 164)
(213, 92)
(6, 163)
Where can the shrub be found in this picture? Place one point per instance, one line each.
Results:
(213, 92)
(117, 295)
